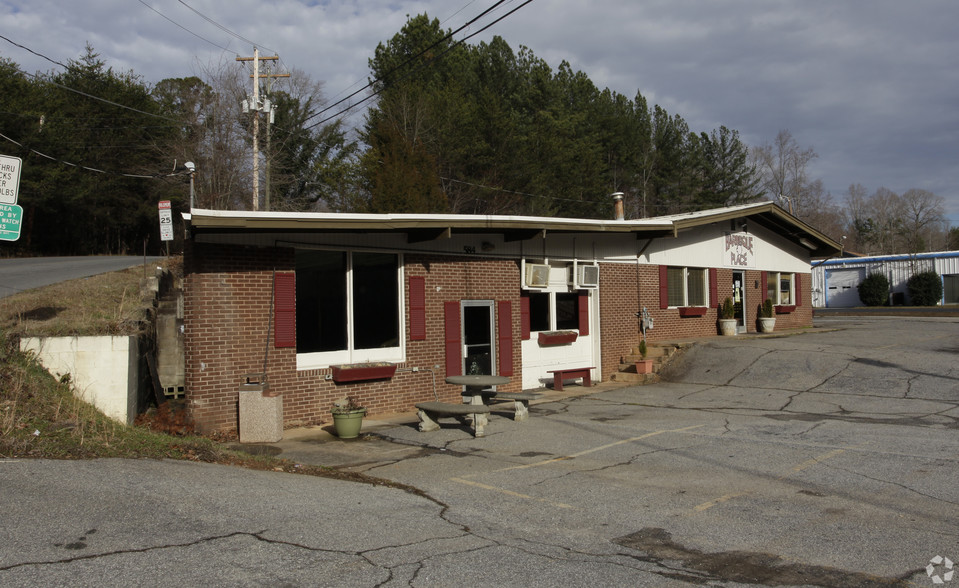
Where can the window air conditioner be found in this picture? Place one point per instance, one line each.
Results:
(537, 275)
(587, 276)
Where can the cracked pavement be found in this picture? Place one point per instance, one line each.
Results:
(822, 459)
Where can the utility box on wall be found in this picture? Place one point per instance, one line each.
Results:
(261, 412)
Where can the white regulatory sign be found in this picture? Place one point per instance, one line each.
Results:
(9, 178)
(166, 221)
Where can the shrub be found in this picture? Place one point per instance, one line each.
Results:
(727, 310)
(874, 290)
(925, 288)
(766, 310)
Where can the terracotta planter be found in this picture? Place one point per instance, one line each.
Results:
(356, 372)
(644, 366)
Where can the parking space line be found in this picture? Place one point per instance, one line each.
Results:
(794, 470)
(509, 492)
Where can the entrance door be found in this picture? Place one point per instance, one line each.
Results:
(739, 301)
(478, 337)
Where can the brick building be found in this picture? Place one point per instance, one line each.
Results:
(411, 299)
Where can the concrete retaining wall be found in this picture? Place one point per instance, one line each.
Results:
(104, 370)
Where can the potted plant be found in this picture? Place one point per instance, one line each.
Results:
(348, 417)
(727, 318)
(643, 366)
(767, 317)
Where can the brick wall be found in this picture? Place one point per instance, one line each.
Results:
(227, 298)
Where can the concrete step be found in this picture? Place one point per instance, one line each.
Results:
(634, 378)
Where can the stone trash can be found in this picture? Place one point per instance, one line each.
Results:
(261, 411)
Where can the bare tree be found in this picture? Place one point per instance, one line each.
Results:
(783, 167)
(924, 221)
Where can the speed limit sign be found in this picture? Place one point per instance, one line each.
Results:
(166, 221)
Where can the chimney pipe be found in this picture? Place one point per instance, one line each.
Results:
(618, 209)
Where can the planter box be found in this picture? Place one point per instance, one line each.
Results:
(685, 311)
(547, 338)
(357, 372)
(644, 366)
(784, 309)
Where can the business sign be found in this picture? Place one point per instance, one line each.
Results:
(738, 251)
(166, 221)
(10, 215)
(9, 178)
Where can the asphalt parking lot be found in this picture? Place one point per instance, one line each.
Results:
(826, 458)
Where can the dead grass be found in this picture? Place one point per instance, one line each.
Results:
(107, 304)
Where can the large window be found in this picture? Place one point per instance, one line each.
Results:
(779, 288)
(347, 307)
(686, 286)
(553, 311)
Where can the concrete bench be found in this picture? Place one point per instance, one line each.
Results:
(571, 374)
(429, 412)
(520, 401)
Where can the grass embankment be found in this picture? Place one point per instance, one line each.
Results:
(41, 417)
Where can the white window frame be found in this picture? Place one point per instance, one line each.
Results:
(552, 312)
(397, 354)
(777, 277)
(686, 272)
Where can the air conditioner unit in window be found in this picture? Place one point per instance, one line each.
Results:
(537, 275)
(587, 276)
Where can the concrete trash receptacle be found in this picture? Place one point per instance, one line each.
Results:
(261, 411)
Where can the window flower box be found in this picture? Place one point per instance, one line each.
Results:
(547, 338)
(785, 308)
(687, 311)
(357, 372)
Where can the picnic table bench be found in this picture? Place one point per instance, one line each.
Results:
(520, 401)
(571, 374)
(429, 412)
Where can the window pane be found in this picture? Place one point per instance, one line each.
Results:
(675, 283)
(538, 311)
(785, 288)
(696, 290)
(375, 301)
(566, 315)
(320, 301)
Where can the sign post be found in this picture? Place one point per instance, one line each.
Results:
(166, 223)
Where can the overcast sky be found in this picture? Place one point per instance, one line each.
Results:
(871, 85)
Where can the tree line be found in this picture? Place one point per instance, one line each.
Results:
(455, 128)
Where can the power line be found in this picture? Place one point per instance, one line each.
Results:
(34, 52)
(93, 169)
(413, 58)
(202, 38)
(223, 28)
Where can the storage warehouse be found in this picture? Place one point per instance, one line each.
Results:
(835, 281)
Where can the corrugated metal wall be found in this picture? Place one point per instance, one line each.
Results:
(897, 268)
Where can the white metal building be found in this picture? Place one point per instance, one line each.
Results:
(835, 281)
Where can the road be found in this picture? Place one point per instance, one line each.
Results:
(823, 459)
(25, 273)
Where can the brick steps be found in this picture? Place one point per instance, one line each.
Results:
(659, 353)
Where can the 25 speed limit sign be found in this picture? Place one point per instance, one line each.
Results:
(166, 221)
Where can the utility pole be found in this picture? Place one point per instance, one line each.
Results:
(270, 109)
(254, 106)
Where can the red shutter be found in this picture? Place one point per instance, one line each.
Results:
(524, 316)
(663, 287)
(583, 308)
(284, 309)
(454, 358)
(504, 334)
(713, 287)
(798, 278)
(764, 286)
(417, 308)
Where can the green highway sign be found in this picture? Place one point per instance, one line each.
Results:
(10, 215)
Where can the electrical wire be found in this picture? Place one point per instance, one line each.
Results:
(414, 70)
(223, 28)
(54, 61)
(198, 36)
(93, 169)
